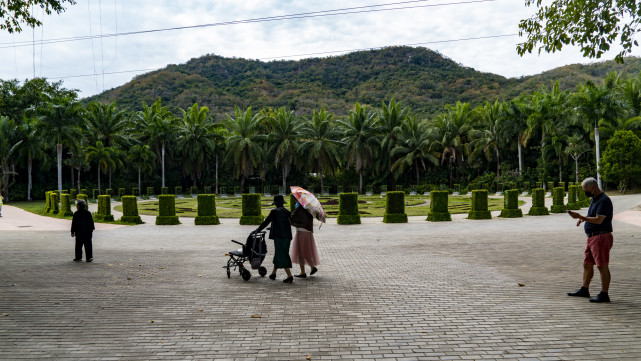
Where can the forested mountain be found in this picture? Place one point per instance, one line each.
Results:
(420, 78)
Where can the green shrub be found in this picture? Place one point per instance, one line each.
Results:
(84, 191)
(135, 191)
(573, 203)
(47, 202)
(193, 190)
(73, 193)
(104, 209)
(562, 185)
(550, 186)
(206, 210)
(479, 205)
(122, 192)
(178, 190)
(65, 205)
(109, 192)
(438, 207)
(95, 193)
(130, 210)
(292, 202)
(395, 208)
(164, 190)
(538, 203)
(83, 197)
(208, 190)
(511, 209)
(167, 210)
(584, 200)
(348, 209)
(251, 210)
(54, 203)
(558, 194)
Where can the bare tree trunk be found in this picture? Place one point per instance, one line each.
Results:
(78, 180)
(99, 179)
(576, 169)
(518, 142)
(560, 170)
(139, 183)
(321, 179)
(284, 178)
(498, 163)
(59, 149)
(216, 192)
(30, 183)
(163, 163)
(598, 156)
(110, 179)
(72, 177)
(360, 186)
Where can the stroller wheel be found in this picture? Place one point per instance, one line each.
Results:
(228, 273)
(246, 275)
(262, 271)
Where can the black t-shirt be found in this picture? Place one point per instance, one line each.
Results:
(600, 206)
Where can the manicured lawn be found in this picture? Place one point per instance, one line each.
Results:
(369, 206)
(37, 207)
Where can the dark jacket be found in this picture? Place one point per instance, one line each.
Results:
(281, 226)
(301, 218)
(82, 224)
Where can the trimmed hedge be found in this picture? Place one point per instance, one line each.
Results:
(47, 201)
(395, 208)
(208, 190)
(84, 197)
(292, 202)
(65, 206)
(550, 186)
(167, 210)
(104, 209)
(479, 205)
(438, 207)
(164, 190)
(109, 192)
(150, 191)
(53, 196)
(511, 208)
(178, 190)
(573, 203)
(348, 209)
(122, 192)
(538, 203)
(584, 200)
(558, 194)
(206, 210)
(562, 185)
(193, 190)
(73, 193)
(130, 210)
(95, 194)
(84, 191)
(135, 191)
(251, 209)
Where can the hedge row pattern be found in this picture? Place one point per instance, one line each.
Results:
(573, 203)
(53, 196)
(130, 210)
(84, 197)
(395, 208)
(558, 194)
(479, 205)
(438, 207)
(251, 209)
(538, 203)
(584, 200)
(104, 209)
(511, 208)
(65, 206)
(206, 210)
(348, 209)
(167, 210)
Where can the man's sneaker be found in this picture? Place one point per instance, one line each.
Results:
(601, 297)
(581, 292)
(90, 259)
(77, 259)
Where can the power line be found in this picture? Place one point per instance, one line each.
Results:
(315, 14)
(312, 54)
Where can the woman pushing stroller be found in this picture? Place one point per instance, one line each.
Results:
(281, 233)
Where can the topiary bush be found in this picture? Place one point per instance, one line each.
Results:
(348, 209)
(73, 193)
(122, 192)
(438, 207)
(538, 203)
(164, 190)
(584, 200)
(251, 209)
(130, 210)
(150, 191)
(193, 190)
(550, 186)
(65, 206)
(479, 205)
(135, 191)
(395, 208)
(83, 197)
(95, 193)
(558, 194)
(511, 208)
(109, 192)
(562, 185)
(104, 209)
(178, 190)
(573, 203)
(167, 210)
(53, 196)
(84, 191)
(47, 202)
(208, 190)
(206, 210)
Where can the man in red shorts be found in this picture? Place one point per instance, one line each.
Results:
(598, 228)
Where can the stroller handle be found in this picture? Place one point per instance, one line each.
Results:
(238, 243)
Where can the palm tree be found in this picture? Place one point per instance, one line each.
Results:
(284, 140)
(158, 129)
(391, 117)
(103, 157)
(244, 145)
(77, 161)
(321, 143)
(451, 134)
(196, 140)
(359, 135)
(575, 149)
(142, 157)
(31, 147)
(413, 147)
(489, 139)
(61, 122)
(9, 143)
(516, 126)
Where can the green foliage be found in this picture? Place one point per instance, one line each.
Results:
(573, 203)
(206, 210)
(395, 208)
(122, 192)
(95, 193)
(109, 192)
(53, 201)
(65, 206)
(84, 197)
(207, 189)
(193, 190)
(167, 210)
(150, 191)
(479, 205)
(438, 207)
(47, 208)
(16, 13)
(178, 190)
(135, 191)
(251, 209)
(538, 203)
(292, 202)
(621, 161)
(511, 209)
(73, 193)
(164, 190)
(84, 191)
(104, 209)
(348, 209)
(558, 194)
(584, 200)
(130, 210)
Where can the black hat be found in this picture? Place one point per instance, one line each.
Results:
(278, 199)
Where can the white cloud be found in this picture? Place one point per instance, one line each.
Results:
(263, 39)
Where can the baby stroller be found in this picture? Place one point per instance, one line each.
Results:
(254, 251)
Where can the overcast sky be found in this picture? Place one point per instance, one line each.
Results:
(423, 23)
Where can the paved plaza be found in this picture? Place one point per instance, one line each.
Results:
(461, 290)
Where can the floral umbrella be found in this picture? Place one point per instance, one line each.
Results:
(309, 202)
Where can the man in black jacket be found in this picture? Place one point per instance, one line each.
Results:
(82, 228)
(281, 233)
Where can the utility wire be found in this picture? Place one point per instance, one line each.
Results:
(93, 52)
(315, 14)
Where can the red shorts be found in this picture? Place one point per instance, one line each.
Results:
(597, 249)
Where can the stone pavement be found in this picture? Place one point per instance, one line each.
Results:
(416, 291)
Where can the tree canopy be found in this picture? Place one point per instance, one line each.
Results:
(14, 13)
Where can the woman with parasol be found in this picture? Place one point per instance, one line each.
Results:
(304, 248)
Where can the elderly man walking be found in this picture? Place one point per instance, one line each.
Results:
(598, 228)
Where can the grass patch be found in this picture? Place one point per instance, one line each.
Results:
(37, 207)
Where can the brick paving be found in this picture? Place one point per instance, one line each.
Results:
(416, 291)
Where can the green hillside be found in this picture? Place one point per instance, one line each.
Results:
(420, 78)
